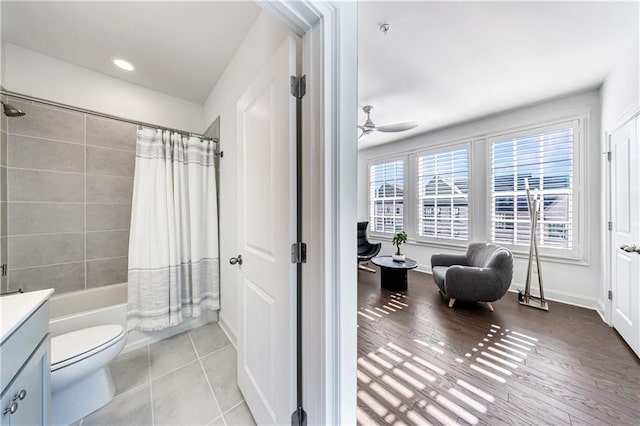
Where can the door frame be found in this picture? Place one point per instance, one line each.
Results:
(607, 305)
(329, 116)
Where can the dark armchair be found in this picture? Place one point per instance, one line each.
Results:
(366, 250)
(483, 274)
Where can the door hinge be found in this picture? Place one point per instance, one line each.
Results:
(609, 156)
(298, 86)
(610, 226)
(610, 295)
(299, 252)
(4, 269)
(299, 417)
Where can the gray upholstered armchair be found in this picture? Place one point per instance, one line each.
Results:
(483, 274)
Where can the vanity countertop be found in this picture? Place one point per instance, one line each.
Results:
(16, 308)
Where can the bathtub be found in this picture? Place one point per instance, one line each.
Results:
(88, 308)
(108, 305)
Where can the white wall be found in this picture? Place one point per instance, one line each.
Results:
(620, 98)
(41, 76)
(568, 282)
(261, 42)
(621, 89)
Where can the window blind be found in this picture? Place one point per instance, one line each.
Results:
(386, 196)
(443, 194)
(545, 158)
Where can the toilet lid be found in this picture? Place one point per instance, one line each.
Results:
(76, 343)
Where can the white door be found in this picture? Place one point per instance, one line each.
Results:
(267, 227)
(625, 214)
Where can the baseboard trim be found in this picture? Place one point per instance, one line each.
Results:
(601, 311)
(425, 269)
(224, 325)
(553, 295)
(138, 339)
(562, 297)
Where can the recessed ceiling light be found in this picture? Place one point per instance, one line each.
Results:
(121, 63)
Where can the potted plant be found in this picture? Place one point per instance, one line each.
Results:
(398, 239)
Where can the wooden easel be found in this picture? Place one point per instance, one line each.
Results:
(525, 297)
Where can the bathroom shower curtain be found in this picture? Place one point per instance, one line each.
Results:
(173, 245)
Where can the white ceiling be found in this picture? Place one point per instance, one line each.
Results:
(178, 48)
(448, 62)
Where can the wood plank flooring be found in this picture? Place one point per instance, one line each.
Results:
(420, 362)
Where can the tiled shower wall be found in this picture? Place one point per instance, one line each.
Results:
(69, 180)
(3, 197)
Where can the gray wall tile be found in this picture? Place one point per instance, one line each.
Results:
(64, 278)
(102, 161)
(3, 183)
(46, 122)
(3, 121)
(37, 250)
(29, 185)
(3, 250)
(105, 217)
(48, 213)
(4, 219)
(3, 149)
(36, 218)
(104, 189)
(101, 245)
(111, 134)
(43, 154)
(106, 271)
(3, 259)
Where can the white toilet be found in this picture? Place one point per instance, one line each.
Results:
(80, 377)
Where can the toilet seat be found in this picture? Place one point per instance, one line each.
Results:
(75, 346)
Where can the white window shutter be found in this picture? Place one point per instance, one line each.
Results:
(545, 158)
(443, 194)
(386, 196)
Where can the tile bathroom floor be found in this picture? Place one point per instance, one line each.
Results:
(188, 379)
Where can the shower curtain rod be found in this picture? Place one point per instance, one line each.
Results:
(101, 115)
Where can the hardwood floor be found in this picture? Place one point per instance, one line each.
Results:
(421, 362)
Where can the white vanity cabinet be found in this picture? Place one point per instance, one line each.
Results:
(25, 373)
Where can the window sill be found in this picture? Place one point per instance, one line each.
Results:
(554, 258)
(462, 246)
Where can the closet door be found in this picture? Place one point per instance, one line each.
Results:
(266, 116)
(625, 213)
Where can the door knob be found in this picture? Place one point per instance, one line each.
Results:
(235, 260)
(630, 249)
(11, 409)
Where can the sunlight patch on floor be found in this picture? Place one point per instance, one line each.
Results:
(395, 379)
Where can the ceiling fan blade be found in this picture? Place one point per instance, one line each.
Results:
(399, 127)
(364, 133)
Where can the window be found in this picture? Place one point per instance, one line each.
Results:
(386, 196)
(545, 158)
(443, 194)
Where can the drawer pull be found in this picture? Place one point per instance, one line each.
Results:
(12, 408)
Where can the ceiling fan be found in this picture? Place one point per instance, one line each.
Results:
(370, 127)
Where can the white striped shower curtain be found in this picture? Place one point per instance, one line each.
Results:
(173, 245)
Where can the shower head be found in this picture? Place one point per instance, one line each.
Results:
(11, 111)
